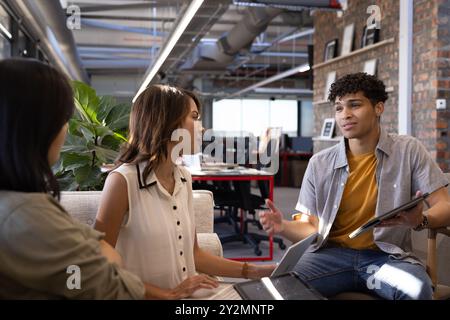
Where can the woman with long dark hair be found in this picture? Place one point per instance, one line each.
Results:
(44, 253)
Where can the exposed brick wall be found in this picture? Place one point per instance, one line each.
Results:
(424, 73)
(442, 64)
(431, 67)
(329, 26)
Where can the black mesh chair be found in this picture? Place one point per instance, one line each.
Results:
(225, 200)
(249, 204)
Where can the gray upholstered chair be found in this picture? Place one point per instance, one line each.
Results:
(83, 206)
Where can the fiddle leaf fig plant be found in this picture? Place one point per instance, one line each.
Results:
(96, 131)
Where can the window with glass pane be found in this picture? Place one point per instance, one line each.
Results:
(307, 117)
(227, 116)
(283, 113)
(255, 115)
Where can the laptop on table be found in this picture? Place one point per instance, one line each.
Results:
(283, 283)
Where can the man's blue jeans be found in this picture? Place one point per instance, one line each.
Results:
(332, 270)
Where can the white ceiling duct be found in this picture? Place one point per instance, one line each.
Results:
(240, 36)
(292, 4)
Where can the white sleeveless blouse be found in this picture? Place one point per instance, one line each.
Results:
(156, 240)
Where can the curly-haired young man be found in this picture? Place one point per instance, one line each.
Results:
(367, 174)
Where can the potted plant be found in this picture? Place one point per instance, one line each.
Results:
(96, 131)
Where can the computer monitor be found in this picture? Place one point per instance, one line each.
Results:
(302, 144)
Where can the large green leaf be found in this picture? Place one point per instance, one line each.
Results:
(119, 117)
(74, 127)
(67, 182)
(88, 131)
(74, 144)
(106, 104)
(120, 137)
(88, 178)
(102, 131)
(86, 101)
(111, 142)
(71, 161)
(105, 156)
(82, 173)
(58, 168)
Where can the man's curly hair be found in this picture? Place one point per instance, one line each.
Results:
(373, 88)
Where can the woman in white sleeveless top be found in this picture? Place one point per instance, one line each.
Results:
(146, 209)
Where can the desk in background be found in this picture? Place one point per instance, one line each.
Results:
(239, 174)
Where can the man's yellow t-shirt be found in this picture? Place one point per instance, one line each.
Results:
(358, 203)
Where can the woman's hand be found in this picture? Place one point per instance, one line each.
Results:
(258, 271)
(110, 253)
(188, 286)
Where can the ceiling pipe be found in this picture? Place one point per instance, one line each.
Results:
(243, 33)
(293, 91)
(295, 5)
(224, 51)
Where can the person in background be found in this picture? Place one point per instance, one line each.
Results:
(146, 209)
(370, 172)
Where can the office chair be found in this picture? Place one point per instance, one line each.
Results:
(225, 200)
(249, 204)
(441, 292)
(236, 202)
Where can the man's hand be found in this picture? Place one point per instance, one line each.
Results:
(410, 218)
(272, 220)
